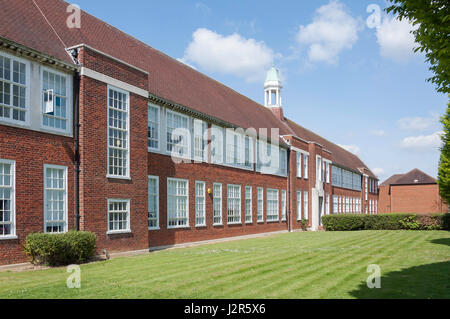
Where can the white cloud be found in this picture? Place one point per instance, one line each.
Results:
(332, 30)
(378, 132)
(418, 123)
(395, 39)
(351, 148)
(233, 54)
(378, 171)
(423, 143)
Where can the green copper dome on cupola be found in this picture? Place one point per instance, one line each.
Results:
(273, 75)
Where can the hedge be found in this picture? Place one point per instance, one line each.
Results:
(60, 249)
(346, 222)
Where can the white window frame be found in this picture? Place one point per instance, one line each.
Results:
(299, 164)
(187, 154)
(68, 101)
(283, 205)
(119, 231)
(177, 195)
(203, 126)
(64, 168)
(305, 166)
(215, 198)
(217, 144)
(27, 108)
(127, 173)
(270, 205)
(200, 214)
(249, 207)
(155, 178)
(366, 180)
(328, 172)
(327, 205)
(260, 205)
(299, 205)
(158, 127)
(305, 205)
(239, 207)
(319, 168)
(12, 163)
(335, 204)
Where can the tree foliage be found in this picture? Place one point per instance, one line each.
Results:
(433, 37)
(444, 165)
(432, 34)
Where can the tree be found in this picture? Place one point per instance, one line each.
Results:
(433, 37)
(444, 164)
(432, 34)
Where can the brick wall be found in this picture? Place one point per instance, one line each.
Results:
(95, 187)
(411, 199)
(163, 166)
(31, 150)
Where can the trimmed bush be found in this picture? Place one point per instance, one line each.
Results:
(346, 222)
(60, 249)
(342, 222)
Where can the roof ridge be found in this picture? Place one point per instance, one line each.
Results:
(168, 56)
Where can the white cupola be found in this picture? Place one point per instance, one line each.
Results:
(272, 88)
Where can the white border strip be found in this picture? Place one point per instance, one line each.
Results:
(114, 82)
(299, 150)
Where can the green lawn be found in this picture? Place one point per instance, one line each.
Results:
(414, 264)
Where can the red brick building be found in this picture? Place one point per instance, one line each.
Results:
(413, 192)
(100, 132)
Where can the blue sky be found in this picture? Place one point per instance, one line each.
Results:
(357, 84)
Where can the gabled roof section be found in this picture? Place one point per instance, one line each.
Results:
(414, 177)
(168, 78)
(41, 25)
(391, 180)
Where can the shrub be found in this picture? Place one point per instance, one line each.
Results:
(347, 222)
(343, 222)
(60, 249)
(304, 224)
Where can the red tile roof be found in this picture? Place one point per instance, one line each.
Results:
(414, 177)
(41, 25)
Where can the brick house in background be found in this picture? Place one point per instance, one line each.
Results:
(413, 192)
(90, 119)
